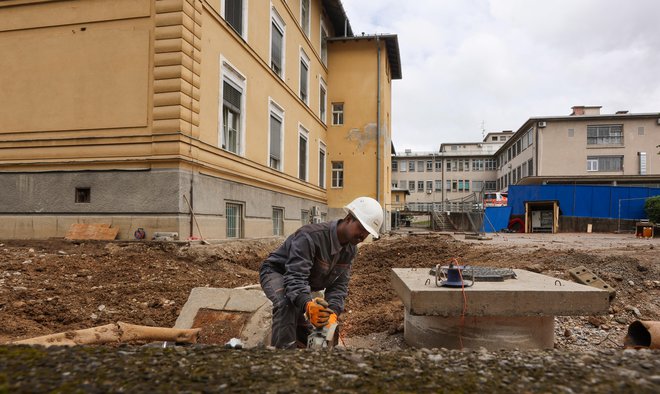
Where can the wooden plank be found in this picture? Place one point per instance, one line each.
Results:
(92, 231)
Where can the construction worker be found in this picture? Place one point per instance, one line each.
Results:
(316, 257)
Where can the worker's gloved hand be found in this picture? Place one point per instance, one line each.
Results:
(318, 313)
(332, 319)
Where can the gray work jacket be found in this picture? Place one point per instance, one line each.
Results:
(312, 259)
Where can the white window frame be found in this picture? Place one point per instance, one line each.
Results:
(303, 133)
(324, 149)
(323, 53)
(244, 17)
(278, 222)
(323, 100)
(592, 165)
(340, 114)
(306, 27)
(278, 111)
(239, 223)
(276, 19)
(338, 171)
(304, 59)
(231, 74)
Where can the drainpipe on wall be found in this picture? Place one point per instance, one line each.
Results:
(378, 123)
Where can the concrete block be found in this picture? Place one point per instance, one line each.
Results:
(492, 333)
(255, 331)
(531, 294)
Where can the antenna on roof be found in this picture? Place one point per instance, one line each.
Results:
(483, 130)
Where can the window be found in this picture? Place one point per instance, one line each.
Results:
(448, 186)
(277, 44)
(411, 186)
(438, 186)
(304, 217)
(640, 131)
(592, 164)
(278, 221)
(530, 167)
(489, 185)
(232, 91)
(478, 185)
(337, 174)
(337, 114)
(605, 135)
(234, 15)
(411, 166)
(304, 16)
(524, 170)
(324, 43)
(438, 165)
(304, 77)
(420, 166)
(429, 185)
(503, 138)
(490, 164)
(477, 165)
(323, 99)
(448, 165)
(420, 186)
(454, 186)
(234, 214)
(275, 136)
(429, 165)
(83, 195)
(460, 185)
(302, 153)
(605, 163)
(322, 165)
(395, 166)
(395, 184)
(460, 165)
(467, 185)
(231, 117)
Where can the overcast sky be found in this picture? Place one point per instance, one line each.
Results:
(499, 62)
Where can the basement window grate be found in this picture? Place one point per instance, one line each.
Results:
(83, 195)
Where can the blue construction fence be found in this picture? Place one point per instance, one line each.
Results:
(610, 202)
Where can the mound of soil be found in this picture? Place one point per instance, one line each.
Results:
(57, 285)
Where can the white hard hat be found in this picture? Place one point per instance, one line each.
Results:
(368, 211)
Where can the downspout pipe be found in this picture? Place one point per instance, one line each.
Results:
(378, 122)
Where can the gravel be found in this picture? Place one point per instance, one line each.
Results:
(203, 368)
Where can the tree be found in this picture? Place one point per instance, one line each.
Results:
(652, 209)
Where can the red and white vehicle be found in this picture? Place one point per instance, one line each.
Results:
(495, 199)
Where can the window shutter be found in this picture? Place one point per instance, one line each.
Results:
(276, 52)
(231, 97)
(275, 137)
(233, 11)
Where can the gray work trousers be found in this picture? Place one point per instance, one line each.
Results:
(289, 324)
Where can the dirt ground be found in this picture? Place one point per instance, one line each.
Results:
(56, 285)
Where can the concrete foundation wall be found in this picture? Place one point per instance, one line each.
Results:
(42, 205)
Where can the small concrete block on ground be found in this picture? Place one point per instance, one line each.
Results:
(240, 302)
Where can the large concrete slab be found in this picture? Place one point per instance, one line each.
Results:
(256, 330)
(531, 294)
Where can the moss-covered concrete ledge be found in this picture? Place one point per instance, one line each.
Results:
(214, 369)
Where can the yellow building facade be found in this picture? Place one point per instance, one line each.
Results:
(136, 113)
